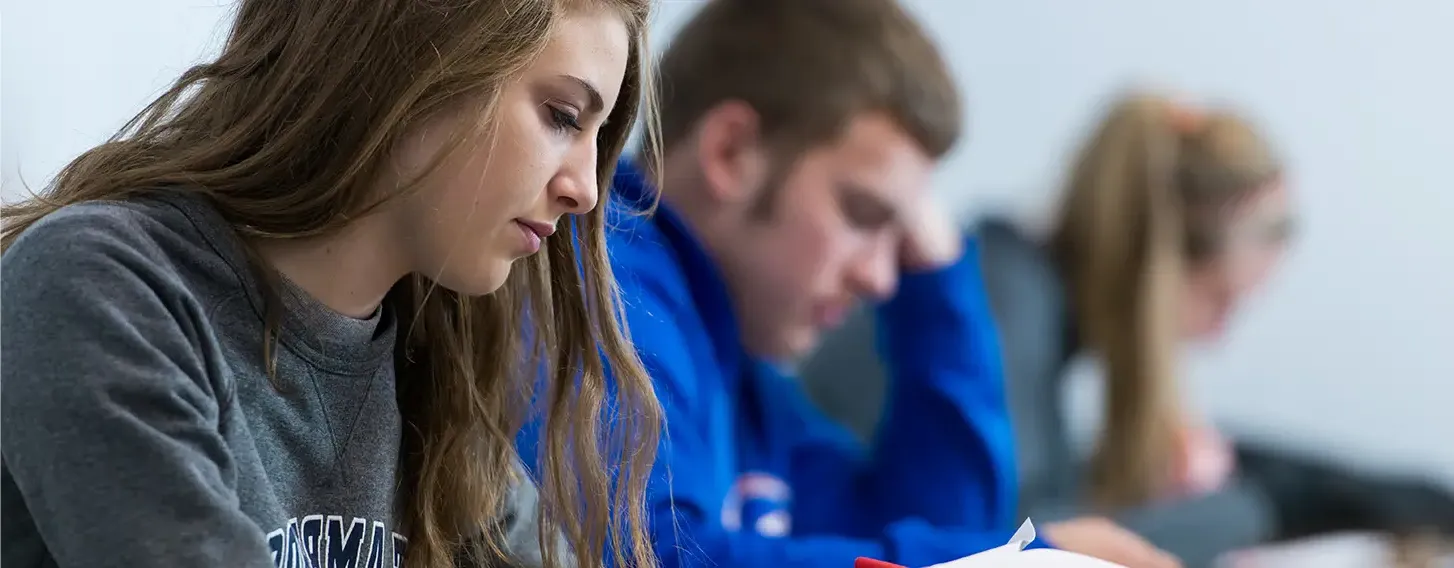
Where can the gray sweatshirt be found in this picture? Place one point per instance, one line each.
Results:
(138, 425)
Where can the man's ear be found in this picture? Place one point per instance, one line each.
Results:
(730, 152)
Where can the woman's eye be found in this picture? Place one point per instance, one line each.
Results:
(563, 120)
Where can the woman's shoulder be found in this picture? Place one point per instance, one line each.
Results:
(93, 228)
(150, 243)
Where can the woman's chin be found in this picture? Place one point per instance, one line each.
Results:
(487, 278)
(1209, 330)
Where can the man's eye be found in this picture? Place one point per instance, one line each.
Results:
(865, 216)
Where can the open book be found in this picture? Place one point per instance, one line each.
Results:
(1013, 555)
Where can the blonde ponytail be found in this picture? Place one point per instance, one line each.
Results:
(1135, 200)
(1118, 239)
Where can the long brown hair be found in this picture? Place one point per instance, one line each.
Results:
(284, 134)
(1146, 198)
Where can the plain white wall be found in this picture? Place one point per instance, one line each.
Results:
(1350, 349)
(76, 70)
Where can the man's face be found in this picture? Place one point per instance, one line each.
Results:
(830, 237)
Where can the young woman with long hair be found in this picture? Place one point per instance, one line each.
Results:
(293, 314)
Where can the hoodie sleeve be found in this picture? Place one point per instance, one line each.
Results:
(945, 446)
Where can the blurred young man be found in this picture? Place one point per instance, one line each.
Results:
(798, 140)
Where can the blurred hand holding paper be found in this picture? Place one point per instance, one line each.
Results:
(1014, 555)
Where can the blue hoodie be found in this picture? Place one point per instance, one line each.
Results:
(760, 478)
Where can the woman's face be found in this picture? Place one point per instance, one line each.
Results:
(1255, 235)
(498, 200)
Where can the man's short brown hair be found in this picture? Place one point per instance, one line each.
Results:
(808, 67)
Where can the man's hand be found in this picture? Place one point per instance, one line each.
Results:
(931, 239)
(1100, 538)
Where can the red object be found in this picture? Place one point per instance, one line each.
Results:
(871, 563)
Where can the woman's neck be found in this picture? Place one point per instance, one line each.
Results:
(350, 270)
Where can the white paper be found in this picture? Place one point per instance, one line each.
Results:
(1014, 555)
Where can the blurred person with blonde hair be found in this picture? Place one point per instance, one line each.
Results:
(1172, 216)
